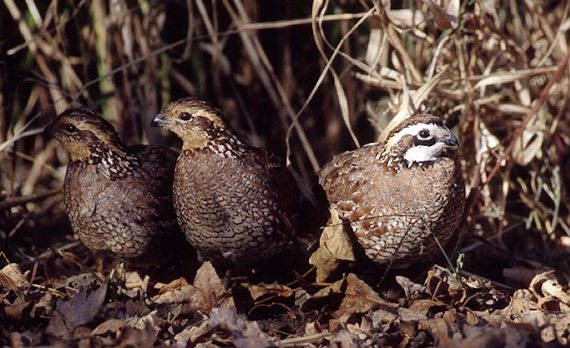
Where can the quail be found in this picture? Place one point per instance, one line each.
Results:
(117, 198)
(235, 203)
(400, 197)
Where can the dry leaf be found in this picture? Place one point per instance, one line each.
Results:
(529, 145)
(407, 315)
(359, 298)
(554, 327)
(113, 326)
(442, 21)
(243, 333)
(81, 308)
(173, 285)
(12, 277)
(453, 13)
(266, 290)
(325, 296)
(407, 18)
(545, 284)
(334, 247)
(15, 312)
(409, 286)
(43, 307)
(175, 295)
(522, 301)
(482, 337)
(438, 327)
(191, 334)
(206, 293)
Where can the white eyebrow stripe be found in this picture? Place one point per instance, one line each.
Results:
(413, 130)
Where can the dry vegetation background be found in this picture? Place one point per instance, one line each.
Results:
(306, 80)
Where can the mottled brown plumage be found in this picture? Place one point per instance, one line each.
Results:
(117, 198)
(400, 195)
(234, 202)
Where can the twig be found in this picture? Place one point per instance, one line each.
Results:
(16, 201)
(468, 274)
(293, 341)
(478, 185)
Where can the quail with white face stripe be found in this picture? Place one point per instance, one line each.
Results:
(403, 196)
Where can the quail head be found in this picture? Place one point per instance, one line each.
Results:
(234, 202)
(117, 198)
(400, 197)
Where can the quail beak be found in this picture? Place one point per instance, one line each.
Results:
(159, 121)
(451, 141)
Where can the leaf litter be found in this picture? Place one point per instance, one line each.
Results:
(485, 66)
(446, 309)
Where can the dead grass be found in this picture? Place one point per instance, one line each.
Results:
(308, 82)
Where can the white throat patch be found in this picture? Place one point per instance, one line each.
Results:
(423, 153)
(420, 153)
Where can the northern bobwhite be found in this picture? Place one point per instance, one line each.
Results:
(400, 195)
(118, 199)
(235, 202)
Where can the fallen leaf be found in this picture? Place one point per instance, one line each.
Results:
(522, 301)
(328, 296)
(383, 316)
(409, 315)
(243, 333)
(144, 338)
(81, 308)
(206, 293)
(482, 337)
(190, 335)
(409, 286)
(12, 277)
(359, 298)
(15, 311)
(442, 284)
(209, 283)
(43, 307)
(173, 285)
(270, 298)
(266, 290)
(334, 247)
(438, 327)
(545, 284)
(109, 330)
(426, 306)
(344, 338)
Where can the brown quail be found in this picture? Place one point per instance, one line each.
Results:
(234, 202)
(400, 195)
(117, 198)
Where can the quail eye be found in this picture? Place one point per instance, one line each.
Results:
(69, 128)
(424, 134)
(184, 116)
